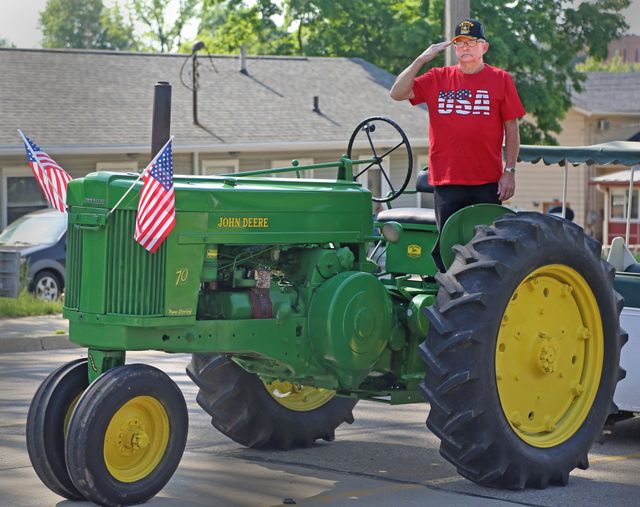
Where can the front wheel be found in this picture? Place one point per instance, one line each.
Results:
(47, 422)
(126, 435)
(278, 415)
(523, 352)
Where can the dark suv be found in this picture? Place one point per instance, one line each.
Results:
(40, 239)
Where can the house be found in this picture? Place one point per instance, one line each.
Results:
(615, 187)
(607, 109)
(92, 111)
(627, 48)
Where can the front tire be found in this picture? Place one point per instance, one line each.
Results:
(276, 416)
(126, 435)
(523, 352)
(47, 422)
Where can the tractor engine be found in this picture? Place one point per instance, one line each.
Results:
(348, 313)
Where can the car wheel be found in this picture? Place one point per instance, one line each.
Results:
(47, 285)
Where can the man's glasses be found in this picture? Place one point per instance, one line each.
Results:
(469, 43)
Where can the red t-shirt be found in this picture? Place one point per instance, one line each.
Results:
(466, 122)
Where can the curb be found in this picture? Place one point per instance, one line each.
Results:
(36, 343)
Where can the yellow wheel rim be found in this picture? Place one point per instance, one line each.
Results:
(136, 439)
(297, 397)
(549, 355)
(67, 415)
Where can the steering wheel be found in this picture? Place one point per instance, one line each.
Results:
(395, 137)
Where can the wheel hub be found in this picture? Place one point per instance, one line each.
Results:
(136, 439)
(132, 438)
(549, 355)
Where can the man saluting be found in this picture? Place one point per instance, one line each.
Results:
(472, 107)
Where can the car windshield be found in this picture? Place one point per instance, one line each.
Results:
(34, 230)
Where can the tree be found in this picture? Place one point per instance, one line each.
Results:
(384, 32)
(164, 35)
(84, 24)
(118, 32)
(226, 25)
(6, 43)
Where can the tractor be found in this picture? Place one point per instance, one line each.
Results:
(296, 303)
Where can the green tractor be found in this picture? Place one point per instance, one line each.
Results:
(296, 303)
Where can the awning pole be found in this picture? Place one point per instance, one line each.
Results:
(629, 202)
(564, 190)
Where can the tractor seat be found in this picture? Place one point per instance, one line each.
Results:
(424, 216)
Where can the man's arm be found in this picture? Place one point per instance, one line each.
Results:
(511, 142)
(402, 89)
(507, 182)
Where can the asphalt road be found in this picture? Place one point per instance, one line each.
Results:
(387, 457)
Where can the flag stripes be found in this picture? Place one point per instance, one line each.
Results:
(52, 178)
(155, 218)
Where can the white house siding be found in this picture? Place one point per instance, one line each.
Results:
(539, 183)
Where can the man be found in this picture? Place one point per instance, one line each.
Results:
(472, 107)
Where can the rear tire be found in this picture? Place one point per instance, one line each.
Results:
(523, 352)
(242, 408)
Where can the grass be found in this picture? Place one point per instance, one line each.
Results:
(26, 305)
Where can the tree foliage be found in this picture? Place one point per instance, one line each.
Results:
(226, 25)
(616, 64)
(6, 43)
(85, 24)
(163, 32)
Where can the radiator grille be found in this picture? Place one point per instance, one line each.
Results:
(135, 278)
(73, 268)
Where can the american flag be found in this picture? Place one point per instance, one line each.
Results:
(156, 215)
(52, 178)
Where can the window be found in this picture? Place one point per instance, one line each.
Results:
(372, 177)
(21, 194)
(231, 165)
(374, 181)
(125, 167)
(618, 205)
(292, 174)
(423, 200)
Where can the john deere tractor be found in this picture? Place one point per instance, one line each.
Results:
(296, 303)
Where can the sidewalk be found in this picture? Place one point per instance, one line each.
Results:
(28, 334)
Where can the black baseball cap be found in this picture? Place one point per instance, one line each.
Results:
(471, 28)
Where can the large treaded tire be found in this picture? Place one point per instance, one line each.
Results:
(241, 408)
(460, 351)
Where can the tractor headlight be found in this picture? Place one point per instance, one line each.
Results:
(391, 231)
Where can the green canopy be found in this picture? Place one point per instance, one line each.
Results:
(615, 152)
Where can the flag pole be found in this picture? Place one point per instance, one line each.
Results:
(141, 175)
(46, 174)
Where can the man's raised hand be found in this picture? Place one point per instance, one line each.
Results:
(432, 51)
